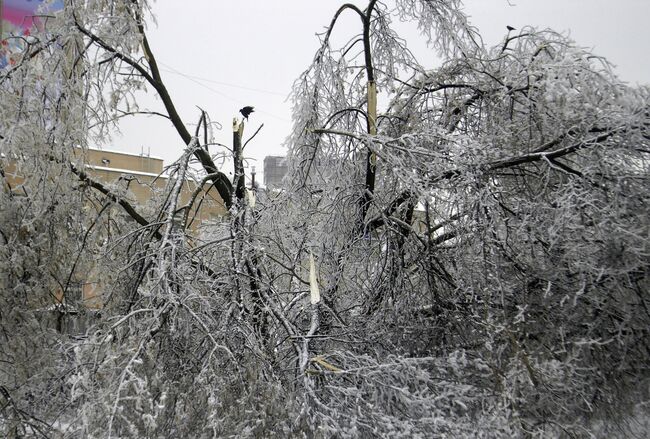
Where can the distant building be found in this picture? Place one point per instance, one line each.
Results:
(143, 178)
(275, 168)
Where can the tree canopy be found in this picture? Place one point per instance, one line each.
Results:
(459, 250)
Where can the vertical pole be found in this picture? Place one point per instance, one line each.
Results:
(238, 183)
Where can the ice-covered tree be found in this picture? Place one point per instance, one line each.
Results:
(461, 249)
(494, 210)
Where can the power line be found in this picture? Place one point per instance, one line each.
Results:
(199, 78)
(238, 101)
(227, 84)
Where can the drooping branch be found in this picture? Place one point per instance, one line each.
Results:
(128, 207)
(367, 52)
(131, 211)
(330, 28)
(376, 223)
(154, 78)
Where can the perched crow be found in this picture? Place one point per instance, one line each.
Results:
(246, 111)
(510, 28)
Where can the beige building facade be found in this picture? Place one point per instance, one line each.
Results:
(143, 178)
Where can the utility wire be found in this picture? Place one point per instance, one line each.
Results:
(199, 78)
(172, 70)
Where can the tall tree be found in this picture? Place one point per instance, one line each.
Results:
(526, 263)
(461, 250)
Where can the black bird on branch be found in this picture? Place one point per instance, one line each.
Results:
(246, 111)
(510, 28)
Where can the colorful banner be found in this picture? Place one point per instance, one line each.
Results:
(21, 18)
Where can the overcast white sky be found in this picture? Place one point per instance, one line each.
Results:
(222, 55)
